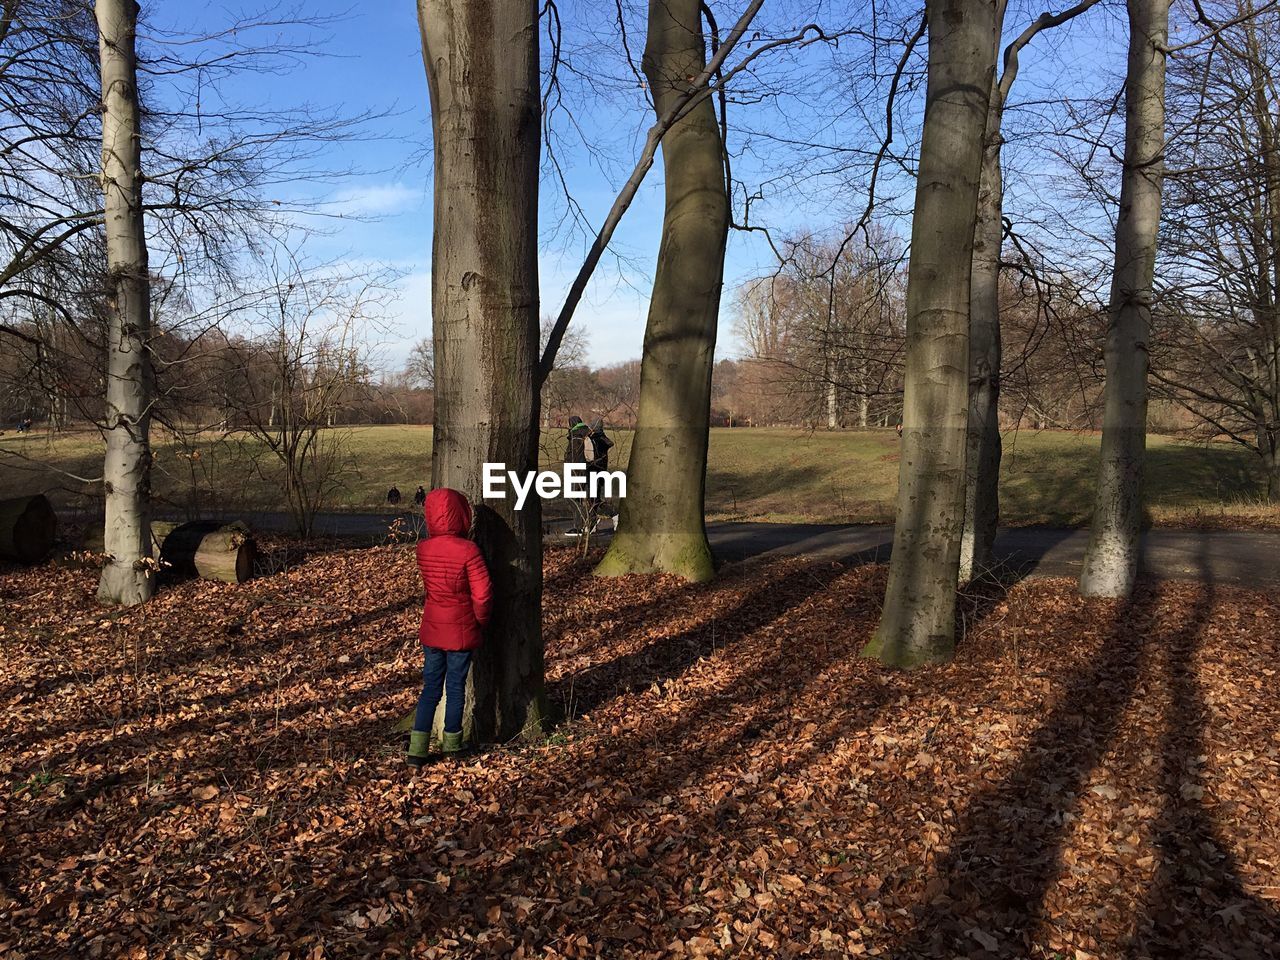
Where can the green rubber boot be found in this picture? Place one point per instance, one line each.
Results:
(451, 744)
(419, 747)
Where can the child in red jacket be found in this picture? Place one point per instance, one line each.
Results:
(455, 610)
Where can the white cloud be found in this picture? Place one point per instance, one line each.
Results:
(376, 200)
(409, 319)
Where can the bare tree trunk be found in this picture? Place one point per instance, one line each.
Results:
(982, 454)
(661, 527)
(129, 576)
(1271, 464)
(1267, 444)
(1111, 564)
(482, 69)
(918, 623)
(833, 409)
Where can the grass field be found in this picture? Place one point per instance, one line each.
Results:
(756, 474)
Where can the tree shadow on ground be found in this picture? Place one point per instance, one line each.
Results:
(1006, 853)
(734, 491)
(1008, 850)
(1053, 487)
(764, 728)
(1185, 474)
(1196, 905)
(231, 641)
(670, 655)
(715, 730)
(645, 801)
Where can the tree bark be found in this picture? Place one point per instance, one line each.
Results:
(482, 69)
(1271, 462)
(918, 623)
(1111, 563)
(982, 445)
(129, 575)
(661, 528)
(1269, 450)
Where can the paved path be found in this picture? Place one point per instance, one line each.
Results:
(1249, 558)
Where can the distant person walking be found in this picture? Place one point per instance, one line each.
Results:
(421, 496)
(589, 445)
(597, 463)
(582, 449)
(393, 496)
(575, 451)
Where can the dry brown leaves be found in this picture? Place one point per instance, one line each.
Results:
(214, 775)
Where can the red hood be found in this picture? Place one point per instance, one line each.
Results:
(448, 513)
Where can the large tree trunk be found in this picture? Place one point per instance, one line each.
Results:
(982, 453)
(918, 623)
(129, 575)
(1111, 564)
(482, 69)
(661, 528)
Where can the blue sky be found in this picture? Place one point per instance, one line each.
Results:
(372, 62)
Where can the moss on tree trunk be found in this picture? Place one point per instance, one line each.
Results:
(918, 623)
(661, 524)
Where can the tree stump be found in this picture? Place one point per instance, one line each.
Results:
(28, 526)
(205, 549)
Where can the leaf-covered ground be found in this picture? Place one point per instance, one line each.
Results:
(214, 775)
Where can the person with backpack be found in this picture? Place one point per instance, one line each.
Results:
(598, 463)
(456, 605)
(578, 450)
(574, 451)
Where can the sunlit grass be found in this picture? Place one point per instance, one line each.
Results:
(757, 474)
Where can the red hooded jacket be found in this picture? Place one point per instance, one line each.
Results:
(459, 594)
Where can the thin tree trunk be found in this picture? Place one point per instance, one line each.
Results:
(982, 453)
(129, 576)
(983, 450)
(918, 623)
(482, 69)
(1270, 462)
(1111, 564)
(661, 527)
(833, 409)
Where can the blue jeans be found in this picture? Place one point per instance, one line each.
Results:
(442, 671)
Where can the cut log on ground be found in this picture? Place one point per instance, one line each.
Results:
(206, 549)
(211, 551)
(28, 526)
